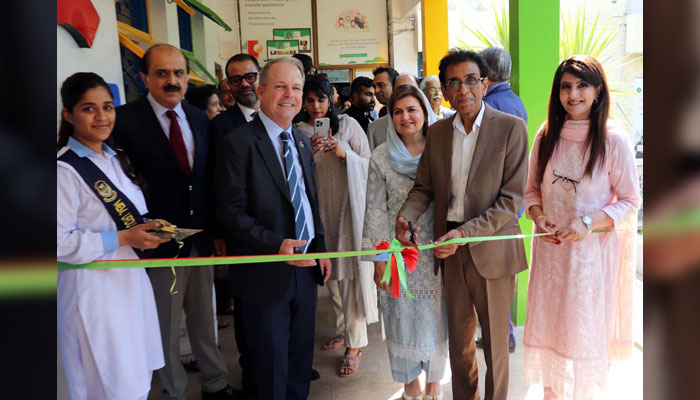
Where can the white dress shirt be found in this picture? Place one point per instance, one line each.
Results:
(164, 121)
(274, 131)
(463, 146)
(247, 112)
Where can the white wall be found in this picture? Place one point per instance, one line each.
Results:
(221, 44)
(103, 58)
(403, 45)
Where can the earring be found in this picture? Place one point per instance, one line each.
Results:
(595, 100)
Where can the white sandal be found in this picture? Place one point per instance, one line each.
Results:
(428, 397)
(407, 397)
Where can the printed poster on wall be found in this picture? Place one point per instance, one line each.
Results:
(262, 23)
(302, 35)
(352, 33)
(281, 48)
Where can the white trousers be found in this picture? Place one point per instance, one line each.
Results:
(349, 319)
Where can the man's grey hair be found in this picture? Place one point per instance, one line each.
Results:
(265, 71)
(430, 78)
(498, 60)
(401, 75)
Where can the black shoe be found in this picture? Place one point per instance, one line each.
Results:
(511, 345)
(315, 375)
(480, 343)
(227, 393)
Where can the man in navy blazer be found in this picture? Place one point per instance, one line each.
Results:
(266, 200)
(242, 74)
(168, 143)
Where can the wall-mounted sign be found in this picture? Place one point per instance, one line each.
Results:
(281, 48)
(302, 35)
(356, 35)
(260, 20)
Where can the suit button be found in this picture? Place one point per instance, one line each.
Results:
(191, 212)
(190, 188)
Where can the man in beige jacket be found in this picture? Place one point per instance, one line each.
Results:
(474, 168)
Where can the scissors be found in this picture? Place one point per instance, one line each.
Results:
(413, 236)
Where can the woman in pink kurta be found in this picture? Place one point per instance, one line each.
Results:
(581, 178)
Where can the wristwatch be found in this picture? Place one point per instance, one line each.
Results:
(588, 222)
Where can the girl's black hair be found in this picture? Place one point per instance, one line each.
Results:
(322, 88)
(72, 90)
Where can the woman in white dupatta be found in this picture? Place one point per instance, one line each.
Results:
(342, 159)
(416, 329)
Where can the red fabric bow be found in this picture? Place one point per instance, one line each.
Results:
(410, 258)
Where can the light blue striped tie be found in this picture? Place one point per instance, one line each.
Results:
(302, 232)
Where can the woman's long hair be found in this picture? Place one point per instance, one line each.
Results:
(589, 70)
(406, 91)
(322, 88)
(72, 90)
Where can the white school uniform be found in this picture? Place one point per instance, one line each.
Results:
(107, 321)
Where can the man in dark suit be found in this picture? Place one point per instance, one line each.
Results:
(168, 142)
(266, 199)
(242, 74)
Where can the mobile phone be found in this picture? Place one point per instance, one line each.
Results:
(322, 126)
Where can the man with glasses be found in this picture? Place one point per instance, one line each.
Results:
(242, 75)
(474, 169)
(430, 85)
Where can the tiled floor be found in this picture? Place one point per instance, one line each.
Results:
(373, 380)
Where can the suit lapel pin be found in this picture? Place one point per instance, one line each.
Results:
(301, 144)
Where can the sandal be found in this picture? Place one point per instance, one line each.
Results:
(335, 343)
(438, 397)
(407, 397)
(351, 364)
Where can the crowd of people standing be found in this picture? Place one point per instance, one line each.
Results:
(245, 163)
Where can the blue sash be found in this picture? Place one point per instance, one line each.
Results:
(119, 207)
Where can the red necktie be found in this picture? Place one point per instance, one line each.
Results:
(177, 143)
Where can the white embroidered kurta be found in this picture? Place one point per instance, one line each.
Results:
(107, 321)
(341, 192)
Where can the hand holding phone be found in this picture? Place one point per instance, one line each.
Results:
(322, 126)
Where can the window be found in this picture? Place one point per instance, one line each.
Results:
(184, 23)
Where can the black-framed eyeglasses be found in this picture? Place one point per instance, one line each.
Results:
(236, 80)
(316, 77)
(565, 179)
(456, 84)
